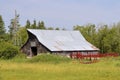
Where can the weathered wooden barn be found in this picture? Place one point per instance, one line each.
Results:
(56, 42)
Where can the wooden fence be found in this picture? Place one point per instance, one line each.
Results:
(92, 55)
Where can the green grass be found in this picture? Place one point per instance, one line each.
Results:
(64, 69)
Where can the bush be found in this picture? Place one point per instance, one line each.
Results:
(48, 58)
(7, 50)
(21, 57)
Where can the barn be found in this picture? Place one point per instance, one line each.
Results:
(56, 42)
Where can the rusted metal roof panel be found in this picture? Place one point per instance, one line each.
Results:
(56, 40)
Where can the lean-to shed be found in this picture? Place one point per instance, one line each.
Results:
(56, 42)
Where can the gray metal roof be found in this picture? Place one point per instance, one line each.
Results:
(56, 40)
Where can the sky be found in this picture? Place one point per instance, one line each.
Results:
(62, 13)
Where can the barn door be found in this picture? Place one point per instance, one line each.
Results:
(34, 50)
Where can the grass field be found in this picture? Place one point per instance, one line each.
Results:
(105, 69)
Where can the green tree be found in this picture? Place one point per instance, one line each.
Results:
(13, 29)
(101, 38)
(34, 26)
(88, 31)
(117, 37)
(50, 28)
(41, 25)
(2, 29)
(28, 25)
(22, 37)
(57, 28)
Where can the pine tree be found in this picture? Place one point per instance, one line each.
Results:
(28, 25)
(2, 28)
(57, 28)
(34, 26)
(41, 25)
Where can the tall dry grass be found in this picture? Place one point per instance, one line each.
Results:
(105, 69)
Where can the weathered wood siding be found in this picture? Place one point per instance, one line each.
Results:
(27, 46)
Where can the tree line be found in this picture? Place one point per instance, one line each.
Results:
(105, 37)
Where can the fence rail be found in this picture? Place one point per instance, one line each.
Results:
(92, 55)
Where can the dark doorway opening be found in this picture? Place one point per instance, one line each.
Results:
(34, 50)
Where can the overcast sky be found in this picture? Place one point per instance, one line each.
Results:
(62, 13)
